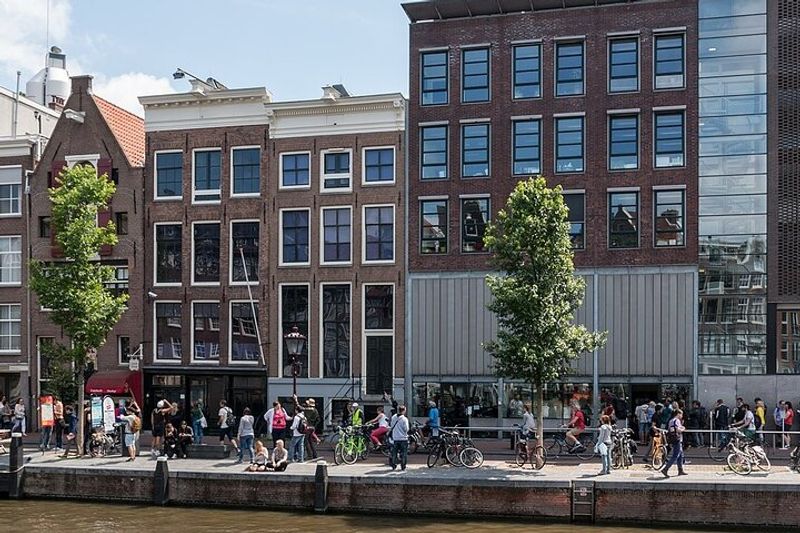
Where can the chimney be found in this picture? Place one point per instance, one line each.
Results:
(82, 84)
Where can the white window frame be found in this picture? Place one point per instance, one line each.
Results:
(13, 283)
(231, 251)
(156, 283)
(156, 197)
(206, 361)
(323, 175)
(364, 182)
(281, 262)
(119, 349)
(322, 260)
(13, 181)
(364, 259)
(231, 360)
(281, 333)
(155, 333)
(320, 326)
(246, 194)
(281, 186)
(73, 160)
(195, 201)
(207, 283)
(376, 332)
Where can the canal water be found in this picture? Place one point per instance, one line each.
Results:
(49, 516)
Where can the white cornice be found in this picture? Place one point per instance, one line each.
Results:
(192, 98)
(214, 109)
(19, 146)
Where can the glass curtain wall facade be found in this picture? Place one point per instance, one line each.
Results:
(732, 186)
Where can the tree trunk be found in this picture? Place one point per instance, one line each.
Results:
(539, 414)
(81, 415)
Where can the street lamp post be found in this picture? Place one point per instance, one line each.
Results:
(294, 341)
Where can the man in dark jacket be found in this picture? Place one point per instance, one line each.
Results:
(696, 422)
(721, 422)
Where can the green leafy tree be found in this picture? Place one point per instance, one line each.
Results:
(75, 288)
(536, 292)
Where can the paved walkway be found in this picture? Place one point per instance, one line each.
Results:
(492, 470)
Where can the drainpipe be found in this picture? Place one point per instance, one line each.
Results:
(28, 313)
(408, 380)
(15, 114)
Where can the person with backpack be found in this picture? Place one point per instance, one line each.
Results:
(675, 431)
(133, 425)
(299, 424)
(227, 423)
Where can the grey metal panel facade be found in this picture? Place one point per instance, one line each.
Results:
(648, 313)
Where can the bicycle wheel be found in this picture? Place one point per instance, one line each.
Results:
(762, 461)
(452, 454)
(433, 456)
(718, 453)
(350, 452)
(659, 457)
(588, 449)
(552, 444)
(413, 445)
(338, 451)
(739, 463)
(538, 457)
(521, 457)
(471, 457)
(616, 458)
(363, 448)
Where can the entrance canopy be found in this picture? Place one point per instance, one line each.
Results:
(116, 383)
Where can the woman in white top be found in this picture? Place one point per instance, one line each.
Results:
(19, 417)
(383, 427)
(604, 444)
(280, 457)
(246, 435)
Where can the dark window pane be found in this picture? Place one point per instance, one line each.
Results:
(527, 143)
(295, 169)
(569, 69)
(624, 65)
(623, 223)
(576, 218)
(244, 241)
(207, 175)
(378, 165)
(527, 71)
(623, 142)
(379, 233)
(336, 331)
(475, 150)
(475, 75)
(246, 170)
(295, 236)
(336, 235)
(434, 78)
(294, 312)
(169, 330)
(169, 174)
(244, 337)
(205, 331)
(434, 152)
(168, 253)
(569, 144)
(206, 253)
(669, 218)
(434, 227)
(474, 216)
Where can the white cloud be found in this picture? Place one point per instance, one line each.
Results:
(23, 33)
(125, 89)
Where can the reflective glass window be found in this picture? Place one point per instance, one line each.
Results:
(433, 214)
(569, 69)
(434, 78)
(206, 253)
(474, 150)
(474, 216)
(433, 140)
(527, 142)
(569, 144)
(669, 213)
(246, 170)
(623, 150)
(623, 65)
(527, 71)
(623, 220)
(577, 219)
(669, 139)
(669, 61)
(475, 75)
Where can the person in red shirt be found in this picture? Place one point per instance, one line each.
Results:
(576, 424)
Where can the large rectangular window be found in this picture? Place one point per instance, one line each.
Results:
(623, 65)
(10, 180)
(434, 224)
(475, 75)
(294, 312)
(336, 234)
(295, 236)
(433, 77)
(243, 335)
(10, 260)
(205, 253)
(207, 167)
(378, 233)
(169, 251)
(336, 170)
(433, 140)
(205, 331)
(475, 150)
(577, 219)
(44, 349)
(669, 209)
(623, 219)
(378, 165)
(379, 330)
(669, 137)
(169, 174)
(244, 242)
(474, 217)
(569, 69)
(527, 71)
(123, 349)
(246, 170)
(168, 329)
(669, 61)
(623, 145)
(121, 283)
(336, 331)
(10, 322)
(569, 144)
(295, 170)
(527, 147)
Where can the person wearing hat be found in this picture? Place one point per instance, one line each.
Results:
(357, 415)
(312, 419)
(158, 419)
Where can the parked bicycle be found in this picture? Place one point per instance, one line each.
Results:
(455, 449)
(102, 444)
(744, 454)
(417, 440)
(353, 444)
(794, 459)
(623, 448)
(527, 450)
(658, 450)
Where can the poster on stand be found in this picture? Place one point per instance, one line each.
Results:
(46, 418)
(109, 416)
(97, 411)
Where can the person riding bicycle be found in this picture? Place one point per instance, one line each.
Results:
(747, 424)
(433, 419)
(576, 424)
(377, 435)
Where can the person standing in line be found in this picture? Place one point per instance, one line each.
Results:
(226, 421)
(58, 423)
(298, 436)
(738, 413)
(19, 417)
(642, 419)
(721, 417)
(399, 432)
(433, 419)
(604, 444)
(246, 435)
(777, 417)
(675, 431)
(760, 414)
(198, 422)
(277, 422)
(788, 421)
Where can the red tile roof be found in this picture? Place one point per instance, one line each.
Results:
(127, 128)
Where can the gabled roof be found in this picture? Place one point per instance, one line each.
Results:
(126, 127)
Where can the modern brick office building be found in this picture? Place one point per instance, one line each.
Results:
(93, 131)
(652, 116)
(289, 209)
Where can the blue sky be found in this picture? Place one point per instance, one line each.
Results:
(292, 47)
